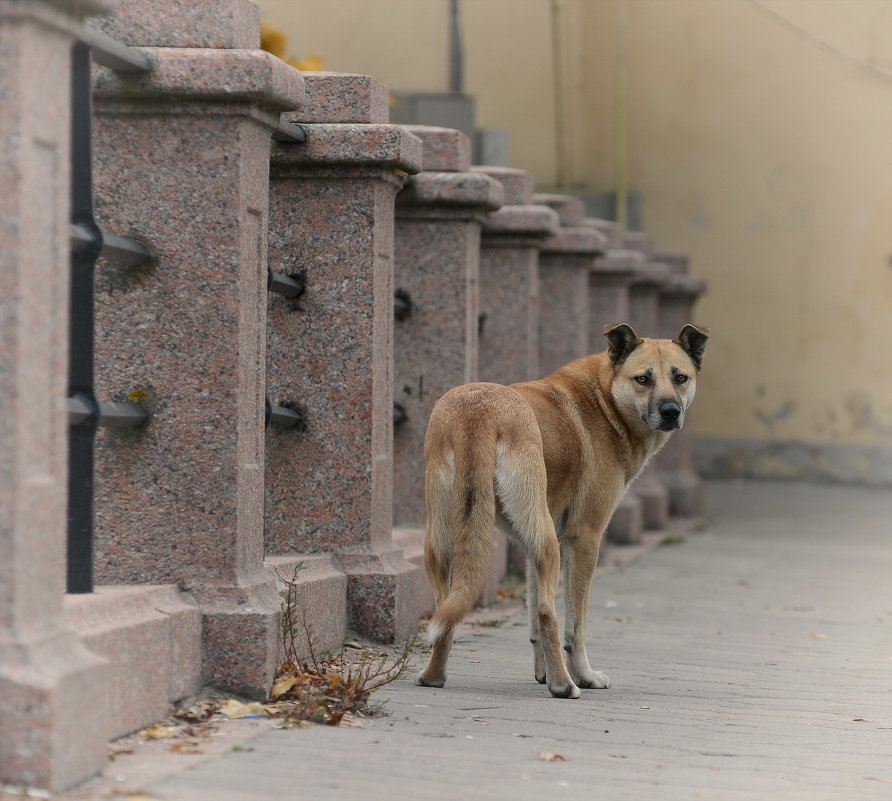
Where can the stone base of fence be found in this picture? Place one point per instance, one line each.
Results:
(151, 637)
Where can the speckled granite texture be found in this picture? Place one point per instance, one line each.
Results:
(565, 264)
(610, 229)
(675, 463)
(570, 210)
(445, 149)
(435, 348)
(644, 294)
(181, 499)
(342, 97)
(609, 304)
(329, 488)
(509, 280)
(151, 637)
(54, 719)
(184, 23)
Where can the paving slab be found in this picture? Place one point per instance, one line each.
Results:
(749, 661)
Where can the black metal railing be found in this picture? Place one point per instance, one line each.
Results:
(87, 243)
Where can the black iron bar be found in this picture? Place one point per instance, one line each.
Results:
(115, 248)
(289, 132)
(81, 435)
(112, 54)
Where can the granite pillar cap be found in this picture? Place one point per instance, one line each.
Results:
(569, 208)
(683, 285)
(619, 262)
(342, 97)
(244, 76)
(518, 184)
(637, 240)
(358, 145)
(453, 189)
(581, 240)
(529, 221)
(651, 274)
(445, 149)
(222, 24)
(609, 228)
(677, 262)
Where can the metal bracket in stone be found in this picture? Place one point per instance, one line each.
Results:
(113, 54)
(288, 286)
(289, 132)
(400, 415)
(402, 305)
(288, 415)
(115, 248)
(82, 409)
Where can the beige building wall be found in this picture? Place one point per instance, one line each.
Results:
(758, 134)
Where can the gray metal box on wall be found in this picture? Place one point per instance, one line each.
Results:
(444, 109)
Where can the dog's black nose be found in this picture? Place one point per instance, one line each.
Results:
(670, 411)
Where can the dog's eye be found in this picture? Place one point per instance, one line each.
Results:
(641, 379)
(681, 378)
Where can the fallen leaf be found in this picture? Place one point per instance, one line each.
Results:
(185, 748)
(644, 707)
(349, 720)
(156, 732)
(858, 720)
(233, 709)
(282, 686)
(551, 757)
(819, 636)
(518, 734)
(114, 750)
(474, 661)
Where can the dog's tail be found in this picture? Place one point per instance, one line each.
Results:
(467, 508)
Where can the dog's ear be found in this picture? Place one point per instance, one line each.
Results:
(692, 340)
(621, 341)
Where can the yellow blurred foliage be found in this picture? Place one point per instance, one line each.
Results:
(273, 40)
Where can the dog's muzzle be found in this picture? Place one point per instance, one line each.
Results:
(670, 416)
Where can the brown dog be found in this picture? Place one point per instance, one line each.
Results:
(549, 460)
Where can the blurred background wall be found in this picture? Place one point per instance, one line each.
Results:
(754, 135)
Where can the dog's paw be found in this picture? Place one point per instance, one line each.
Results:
(595, 680)
(565, 691)
(429, 681)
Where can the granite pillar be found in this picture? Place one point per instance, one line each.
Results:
(565, 264)
(54, 719)
(438, 218)
(509, 280)
(675, 463)
(332, 220)
(609, 305)
(182, 156)
(644, 294)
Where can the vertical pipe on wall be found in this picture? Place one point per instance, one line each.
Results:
(621, 116)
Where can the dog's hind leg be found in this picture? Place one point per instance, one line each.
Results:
(520, 486)
(434, 675)
(581, 556)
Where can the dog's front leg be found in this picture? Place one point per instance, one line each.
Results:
(581, 555)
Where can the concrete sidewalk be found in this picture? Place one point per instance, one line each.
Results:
(753, 660)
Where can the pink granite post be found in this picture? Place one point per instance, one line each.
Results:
(54, 719)
(332, 218)
(610, 280)
(675, 463)
(565, 264)
(439, 216)
(509, 280)
(182, 158)
(644, 293)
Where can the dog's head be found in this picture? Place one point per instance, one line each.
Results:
(655, 379)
